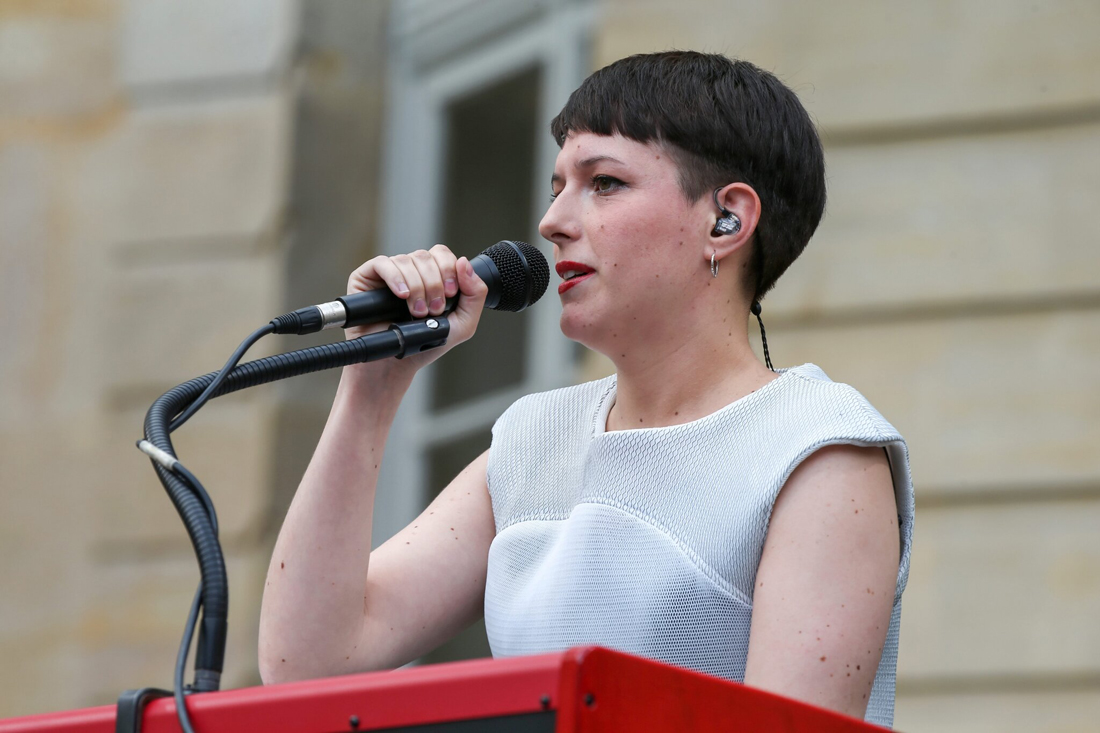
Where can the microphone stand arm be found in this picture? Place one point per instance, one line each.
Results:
(400, 339)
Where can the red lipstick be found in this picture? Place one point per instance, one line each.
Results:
(579, 271)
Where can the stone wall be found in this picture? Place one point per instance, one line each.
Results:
(167, 184)
(173, 174)
(955, 280)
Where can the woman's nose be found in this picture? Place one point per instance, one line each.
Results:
(558, 224)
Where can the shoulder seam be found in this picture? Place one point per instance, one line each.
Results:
(865, 408)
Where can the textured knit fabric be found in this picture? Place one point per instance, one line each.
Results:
(648, 540)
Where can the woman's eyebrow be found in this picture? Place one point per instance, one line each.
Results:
(586, 163)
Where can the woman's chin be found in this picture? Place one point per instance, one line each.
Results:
(577, 326)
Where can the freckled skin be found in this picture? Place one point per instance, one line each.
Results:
(851, 600)
(637, 227)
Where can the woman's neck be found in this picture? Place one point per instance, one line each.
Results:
(690, 379)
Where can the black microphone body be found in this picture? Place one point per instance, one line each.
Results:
(516, 274)
(375, 306)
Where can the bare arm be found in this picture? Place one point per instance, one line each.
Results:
(328, 599)
(427, 582)
(825, 586)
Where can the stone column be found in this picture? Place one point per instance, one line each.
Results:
(172, 175)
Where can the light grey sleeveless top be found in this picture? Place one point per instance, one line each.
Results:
(647, 541)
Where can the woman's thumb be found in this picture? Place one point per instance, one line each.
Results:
(472, 288)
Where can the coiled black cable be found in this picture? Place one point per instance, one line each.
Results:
(763, 336)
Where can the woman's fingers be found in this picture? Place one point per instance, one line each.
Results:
(377, 273)
(432, 299)
(425, 280)
(448, 269)
(410, 273)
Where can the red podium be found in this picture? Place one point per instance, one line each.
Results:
(583, 690)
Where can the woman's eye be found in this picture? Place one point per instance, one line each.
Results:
(605, 184)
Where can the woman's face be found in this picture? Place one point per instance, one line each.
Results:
(618, 211)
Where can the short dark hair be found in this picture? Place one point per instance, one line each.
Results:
(724, 121)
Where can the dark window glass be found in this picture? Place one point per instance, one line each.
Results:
(490, 159)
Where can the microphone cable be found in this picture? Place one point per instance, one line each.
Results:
(256, 335)
(517, 274)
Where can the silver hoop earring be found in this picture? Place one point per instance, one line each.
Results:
(713, 265)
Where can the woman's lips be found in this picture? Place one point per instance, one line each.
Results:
(574, 281)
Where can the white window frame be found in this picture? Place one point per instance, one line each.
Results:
(441, 52)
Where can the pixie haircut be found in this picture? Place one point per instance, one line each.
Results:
(723, 121)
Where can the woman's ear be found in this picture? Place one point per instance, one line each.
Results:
(734, 214)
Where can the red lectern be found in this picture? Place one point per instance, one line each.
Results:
(583, 690)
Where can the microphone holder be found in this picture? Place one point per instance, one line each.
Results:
(399, 340)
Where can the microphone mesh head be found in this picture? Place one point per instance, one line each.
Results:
(521, 285)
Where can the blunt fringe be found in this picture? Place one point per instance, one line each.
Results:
(724, 121)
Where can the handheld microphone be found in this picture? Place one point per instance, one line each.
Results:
(515, 272)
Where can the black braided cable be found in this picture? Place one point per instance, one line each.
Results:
(181, 663)
(763, 336)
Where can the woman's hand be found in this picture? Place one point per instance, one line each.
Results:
(425, 279)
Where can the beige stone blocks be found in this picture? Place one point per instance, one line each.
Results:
(44, 505)
(856, 65)
(56, 61)
(26, 219)
(1027, 708)
(207, 42)
(1003, 589)
(986, 403)
(958, 222)
(211, 172)
(141, 239)
(227, 445)
(134, 619)
(180, 320)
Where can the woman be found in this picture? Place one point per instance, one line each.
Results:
(696, 507)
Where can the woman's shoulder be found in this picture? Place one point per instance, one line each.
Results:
(812, 392)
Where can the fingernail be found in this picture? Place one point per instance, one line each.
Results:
(469, 268)
(437, 303)
(450, 286)
(419, 305)
(402, 288)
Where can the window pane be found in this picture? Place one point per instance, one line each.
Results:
(490, 162)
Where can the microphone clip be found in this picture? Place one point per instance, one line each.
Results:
(414, 337)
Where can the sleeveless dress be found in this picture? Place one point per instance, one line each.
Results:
(647, 541)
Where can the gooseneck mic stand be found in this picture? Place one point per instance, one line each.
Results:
(196, 509)
(516, 275)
